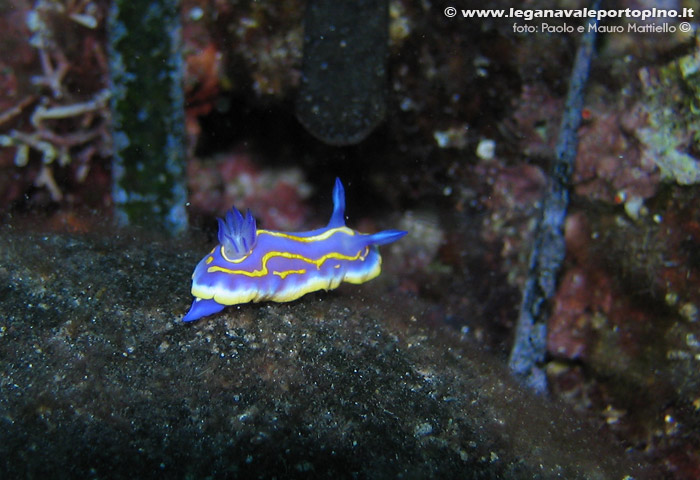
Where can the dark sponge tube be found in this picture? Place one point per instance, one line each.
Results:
(342, 95)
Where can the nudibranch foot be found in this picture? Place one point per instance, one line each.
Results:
(201, 308)
(251, 264)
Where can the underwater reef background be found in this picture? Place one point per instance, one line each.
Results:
(453, 142)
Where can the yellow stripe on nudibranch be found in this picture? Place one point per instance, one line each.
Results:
(238, 270)
(295, 256)
(316, 238)
(288, 272)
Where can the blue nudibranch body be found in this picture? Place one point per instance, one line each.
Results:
(251, 265)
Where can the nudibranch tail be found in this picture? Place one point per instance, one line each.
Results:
(253, 265)
(386, 236)
(237, 234)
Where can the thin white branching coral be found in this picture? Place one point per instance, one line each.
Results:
(61, 122)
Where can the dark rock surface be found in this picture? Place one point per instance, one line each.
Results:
(100, 379)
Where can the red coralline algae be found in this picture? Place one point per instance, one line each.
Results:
(569, 330)
(609, 165)
(277, 196)
(262, 41)
(536, 119)
(592, 315)
(513, 204)
(202, 86)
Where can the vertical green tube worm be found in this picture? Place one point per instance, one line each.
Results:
(147, 103)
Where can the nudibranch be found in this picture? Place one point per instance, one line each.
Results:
(251, 265)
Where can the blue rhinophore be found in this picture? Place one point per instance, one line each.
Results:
(251, 265)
